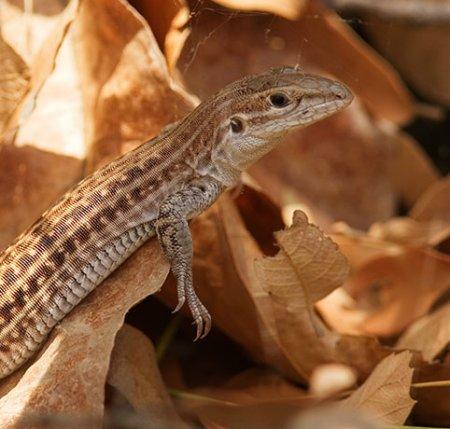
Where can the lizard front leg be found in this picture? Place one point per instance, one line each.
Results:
(175, 239)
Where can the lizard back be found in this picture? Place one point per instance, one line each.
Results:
(77, 243)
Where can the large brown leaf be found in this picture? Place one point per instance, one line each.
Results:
(128, 94)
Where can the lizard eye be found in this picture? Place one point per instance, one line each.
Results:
(279, 99)
(236, 125)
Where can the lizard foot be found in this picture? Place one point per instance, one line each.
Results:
(202, 318)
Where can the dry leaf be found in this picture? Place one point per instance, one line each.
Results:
(396, 289)
(127, 90)
(330, 417)
(434, 203)
(430, 334)
(46, 157)
(340, 311)
(169, 23)
(42, 65)
(134, 373)
(358, 247)
(409, 231)
(385, 394)
(14, 78)
(68, 376)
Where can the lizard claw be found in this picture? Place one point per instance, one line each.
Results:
(201, 316)
(199, 322)
(180, 304)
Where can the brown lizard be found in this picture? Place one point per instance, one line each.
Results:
(152, 190)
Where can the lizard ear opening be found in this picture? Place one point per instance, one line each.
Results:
(237, 125)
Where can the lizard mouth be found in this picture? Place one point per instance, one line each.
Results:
(323, 108)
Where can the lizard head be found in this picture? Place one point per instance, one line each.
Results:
(257, 111)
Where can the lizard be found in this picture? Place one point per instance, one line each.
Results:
(151, 191)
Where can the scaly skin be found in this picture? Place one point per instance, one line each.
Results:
(153, 190)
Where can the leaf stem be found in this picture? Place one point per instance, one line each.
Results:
(168, 336)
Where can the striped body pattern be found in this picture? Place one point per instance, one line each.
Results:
(150, 191)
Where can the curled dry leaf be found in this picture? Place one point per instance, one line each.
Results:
(430, 334)
(68, 376)
(128, 93)
(169, 25)
(396, 289)
(266, 305)
(45, 157)
(14, 78)
(42, 63)
(134, 373)
(393, 282)
(385, 394)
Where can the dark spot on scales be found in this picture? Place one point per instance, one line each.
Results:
(108, 213)
(82, 234)
(69, 245)
(19, 298)
(44, 271)
(134, 173)
(114, 187)
(46, 241)
(122, 204)
(96, 222)
(151, 163)
(6, 309)
(136, 194)
(57, 258)
(33, 284)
